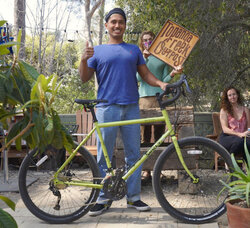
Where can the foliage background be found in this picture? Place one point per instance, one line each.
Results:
(219, 59)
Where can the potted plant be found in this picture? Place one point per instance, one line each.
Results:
(24, 92)
(238, 200)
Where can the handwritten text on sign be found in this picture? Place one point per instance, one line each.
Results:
(173, 44)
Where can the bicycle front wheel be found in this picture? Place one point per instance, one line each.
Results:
(190, 202)
(61, 203)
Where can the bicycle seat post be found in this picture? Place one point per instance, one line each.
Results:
(91, 108)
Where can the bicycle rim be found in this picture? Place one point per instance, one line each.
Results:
(174, 189)
(42, 199)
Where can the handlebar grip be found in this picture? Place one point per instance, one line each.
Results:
(176, 93)
(170, 89)
(178, 83)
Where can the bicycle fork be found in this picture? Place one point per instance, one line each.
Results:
(176, 145)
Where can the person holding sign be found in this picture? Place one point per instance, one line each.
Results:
(147, 92)
(116, 64)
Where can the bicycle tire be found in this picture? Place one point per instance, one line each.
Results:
(75, 201)
(177, 194)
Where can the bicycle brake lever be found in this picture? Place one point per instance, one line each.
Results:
(187, 86)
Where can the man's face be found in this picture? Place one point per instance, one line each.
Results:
(116, 26)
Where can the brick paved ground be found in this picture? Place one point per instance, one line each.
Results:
(118, 216)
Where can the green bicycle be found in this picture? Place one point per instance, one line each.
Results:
(62, 192)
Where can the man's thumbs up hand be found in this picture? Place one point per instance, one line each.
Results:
(88, 52)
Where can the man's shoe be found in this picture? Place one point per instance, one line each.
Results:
(98, 209)
(139, 205)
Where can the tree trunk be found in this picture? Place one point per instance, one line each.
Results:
(19, 22)
(101, 14)
(42, 9)
(88, 16)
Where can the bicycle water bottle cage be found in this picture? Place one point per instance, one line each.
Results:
(174, 90)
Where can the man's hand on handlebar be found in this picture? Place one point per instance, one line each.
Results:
(163, 85)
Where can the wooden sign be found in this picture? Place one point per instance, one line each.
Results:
(173, 44)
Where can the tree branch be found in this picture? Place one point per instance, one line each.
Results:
(239, 73)
(91, 12)
(17, 136)
(226, 27)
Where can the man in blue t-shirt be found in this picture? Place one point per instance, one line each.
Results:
(116, 64)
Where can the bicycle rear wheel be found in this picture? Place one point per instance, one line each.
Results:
(40, 195)
(174, 189)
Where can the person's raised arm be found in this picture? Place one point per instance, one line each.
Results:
(148, 77)
(86, 72)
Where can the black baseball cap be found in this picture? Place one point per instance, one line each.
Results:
(115, 11)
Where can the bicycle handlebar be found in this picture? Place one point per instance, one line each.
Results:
(174, 88)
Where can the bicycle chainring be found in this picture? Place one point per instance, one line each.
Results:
(114, 189)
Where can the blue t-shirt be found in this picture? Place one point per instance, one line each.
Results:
(116, 67)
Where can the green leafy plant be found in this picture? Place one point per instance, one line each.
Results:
(6, 220)
(239, 187)
(26, 93)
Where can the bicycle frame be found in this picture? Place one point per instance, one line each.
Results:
(97, 126)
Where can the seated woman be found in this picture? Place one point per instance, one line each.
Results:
(235, 121)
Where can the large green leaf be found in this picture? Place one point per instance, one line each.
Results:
(247, 153)
(29, 72)
(9, 44)
(2, 22)
(15, 130)
(2, 92)
(49, 130)
(58, 138)
(8, 201)
(34, 95)
(30, 103)
(19, 36)
(9, 84)
(4, 51)
(6, 220)
(2, 76)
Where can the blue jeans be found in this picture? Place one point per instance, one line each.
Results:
(131, 141)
